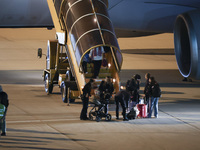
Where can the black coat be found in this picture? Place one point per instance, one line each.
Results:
(123, 96)
(106, 87)
(131, 85)
(155, 90)
(87, 89)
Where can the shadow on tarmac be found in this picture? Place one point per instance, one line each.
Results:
(34, 77)
(163, 77)
(33, 140)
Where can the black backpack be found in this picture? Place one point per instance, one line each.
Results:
(156, 91)
(131, 114)
(130, 85)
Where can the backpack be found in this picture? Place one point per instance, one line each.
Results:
(156, 91)
(87, 58)
(131, 114)
(104, 63)
(159, 91)
(130, 85)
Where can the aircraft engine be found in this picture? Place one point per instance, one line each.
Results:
(187, 44)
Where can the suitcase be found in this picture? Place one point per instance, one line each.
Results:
(142, 110)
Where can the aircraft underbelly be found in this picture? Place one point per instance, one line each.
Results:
(24, 13)
(134, 15)
(137, 16)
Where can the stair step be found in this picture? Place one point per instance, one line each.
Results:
(102, 70)
(97, 81)
(63, 65)
(101, 75)
(62, 71)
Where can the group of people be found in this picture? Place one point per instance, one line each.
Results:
(152, 93)
(105, 89)
(129, 95)
(3, 106)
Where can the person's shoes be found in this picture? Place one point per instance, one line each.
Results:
(85, 118)
(3, 134)
(125, 119)
(185, 79)
(148, 116)
(117, 118)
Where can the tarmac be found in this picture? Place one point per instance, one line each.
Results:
(37, 121)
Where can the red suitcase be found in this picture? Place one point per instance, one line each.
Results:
(142, 110)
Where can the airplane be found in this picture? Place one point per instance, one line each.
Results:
(130, 18)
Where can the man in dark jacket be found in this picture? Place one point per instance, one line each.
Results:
(133, 86)
(85, 99)
(106, 87)
(122, 97)
(4, 101)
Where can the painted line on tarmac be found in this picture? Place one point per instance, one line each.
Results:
(181, 119)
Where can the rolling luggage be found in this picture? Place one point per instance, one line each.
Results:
(142, 110)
